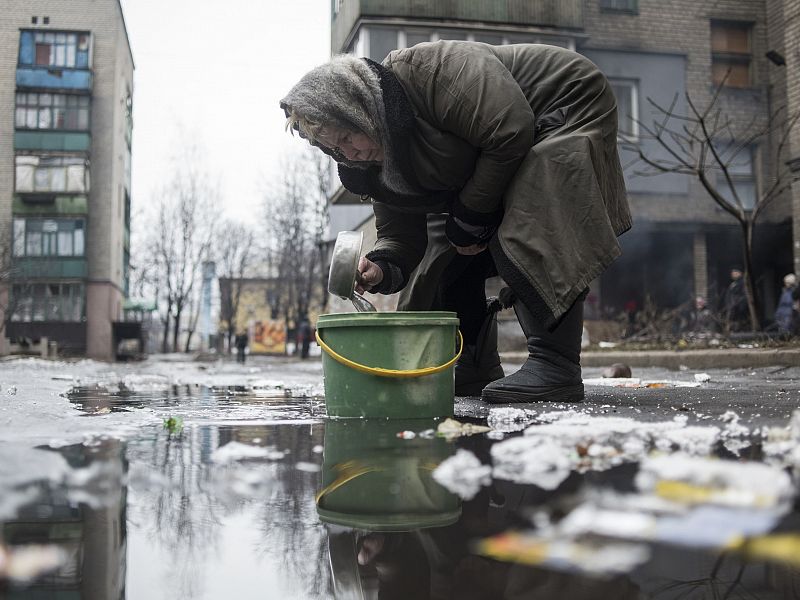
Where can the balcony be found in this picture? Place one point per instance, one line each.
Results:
(49, 205)
(50, 267)
(562, 14)
(52, 140)
(54, 78)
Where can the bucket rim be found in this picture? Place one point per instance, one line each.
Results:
(367, 319)
(388, 521)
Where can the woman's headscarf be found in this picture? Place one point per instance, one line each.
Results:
(346, 93)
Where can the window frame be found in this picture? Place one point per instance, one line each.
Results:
(34, 302)
(40, 107)
(35, 238)
(633, 85)
(727, 57)
(65, 49)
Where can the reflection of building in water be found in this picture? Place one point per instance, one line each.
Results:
(93, 537)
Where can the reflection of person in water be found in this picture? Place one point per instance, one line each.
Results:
(438, 563)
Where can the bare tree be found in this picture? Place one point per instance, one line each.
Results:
(181, 239)
(296, 213)
(707, 144)
(234, 254)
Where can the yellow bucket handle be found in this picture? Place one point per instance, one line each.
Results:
(397, 373)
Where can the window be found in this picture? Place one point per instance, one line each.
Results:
(381, 42)
(51, 174)
(52, 111)
(47, 302)
(626, 93)
(730, 53)
(54, 49)
(740, 168)
(630, 6)
(49, 237)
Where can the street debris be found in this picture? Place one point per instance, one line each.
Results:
(451, 429)
(171, 424)
(702, 377)
(635, 382)
(593, 557)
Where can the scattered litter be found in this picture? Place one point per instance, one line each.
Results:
(607, 344)
(694, 480)
(451, 429)
(12, 390)
(702, 377)
(427, 434)
(317, 449)
(509, 419)
(779, 547)
(406, 435)
(563, 442)
(594, 557)
(702, 526)
(463, 474)
(634, 382)
(171, 424)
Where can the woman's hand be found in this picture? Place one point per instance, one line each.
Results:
(369, 275)
(471, 250)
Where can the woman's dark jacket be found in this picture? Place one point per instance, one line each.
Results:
(518, 138)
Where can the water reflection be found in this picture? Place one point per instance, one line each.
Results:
(88, 527)
(254, 498)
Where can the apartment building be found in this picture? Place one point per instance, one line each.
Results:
(66, 84)
(654, 52)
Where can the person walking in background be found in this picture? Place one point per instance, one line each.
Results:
(785, 314)
(480, 160)
(241, 347)
(304, 334)
(700, 319)
(734, 302)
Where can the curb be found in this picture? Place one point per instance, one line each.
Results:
(733, 358)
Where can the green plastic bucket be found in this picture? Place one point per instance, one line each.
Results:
(375, 481)
(359, 348)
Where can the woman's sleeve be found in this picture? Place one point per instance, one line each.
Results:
(401, 244)
(466, 90)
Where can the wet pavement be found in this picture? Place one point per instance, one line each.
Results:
(172, 479)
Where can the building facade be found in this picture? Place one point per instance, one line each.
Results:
(66, 84)
(654, 52)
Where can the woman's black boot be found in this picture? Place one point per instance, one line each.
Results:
(479, 363)
(553, 370)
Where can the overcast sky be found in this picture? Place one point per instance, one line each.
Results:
(218, 70)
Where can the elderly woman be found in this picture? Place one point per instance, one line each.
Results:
(480, 160)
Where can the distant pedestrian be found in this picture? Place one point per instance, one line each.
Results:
(734, 302)
(700, 318)
(785, 315)
(241, 347)
(304, 337)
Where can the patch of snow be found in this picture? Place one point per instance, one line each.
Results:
(235, 451)
(463, 474)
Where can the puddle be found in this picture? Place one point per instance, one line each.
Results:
(251, 493)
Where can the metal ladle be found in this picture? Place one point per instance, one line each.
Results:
(344, 273)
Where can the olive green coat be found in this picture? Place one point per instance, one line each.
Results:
(528, 128)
